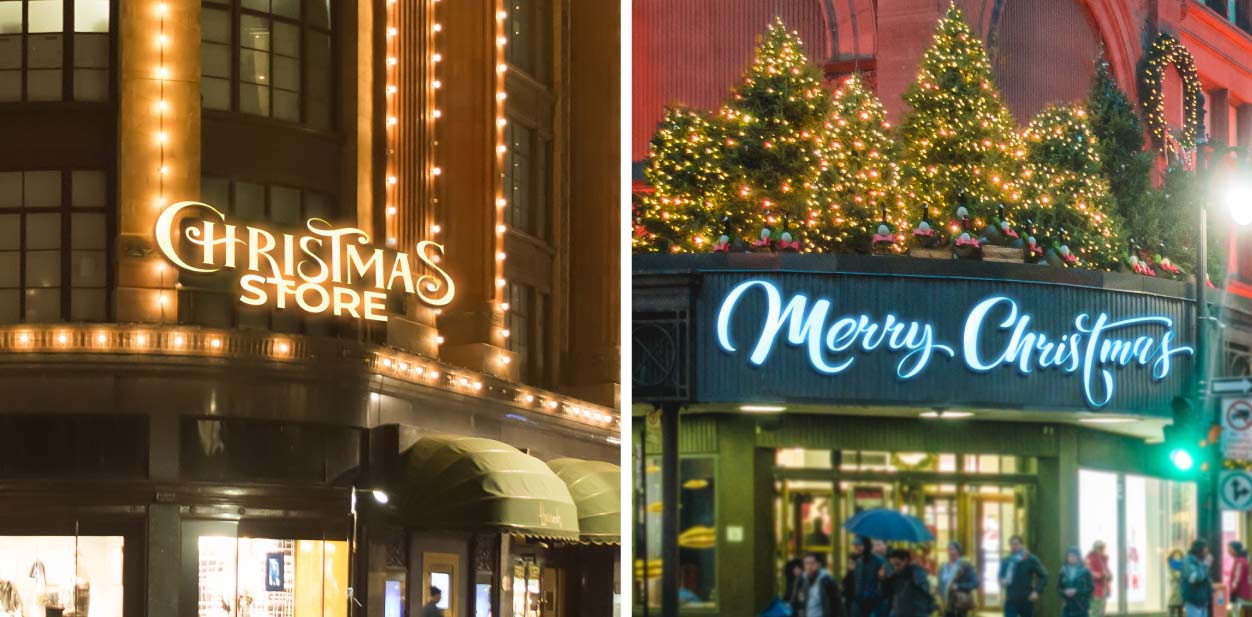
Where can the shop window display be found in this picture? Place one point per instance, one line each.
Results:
(697, 532)
(61, 575)
(263, 577)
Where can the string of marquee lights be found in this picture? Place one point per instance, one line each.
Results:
(501, 202)
(1165, 51)
(162, 136)
(392, 130)
(194, 342)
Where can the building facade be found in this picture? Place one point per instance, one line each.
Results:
(782, 394)
(181, 441)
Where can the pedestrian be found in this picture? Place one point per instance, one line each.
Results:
(848, 586)
(957, 583)
(1240, 585)
(432, 606)
(1101, 576)
(1076, 586)
(1022, 578)
(821, 592)
(792, 573)
(1174, 601)
(908, 587)
(867, 596)
(1197, 583)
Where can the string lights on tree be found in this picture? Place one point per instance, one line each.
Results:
(1067, 198)
(958, 143)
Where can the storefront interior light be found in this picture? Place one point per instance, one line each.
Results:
(762, 408)
(1106, 420)
(944, 414)
(1238, 200)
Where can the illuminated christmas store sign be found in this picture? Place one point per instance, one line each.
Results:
(327, 270)
(996, 333)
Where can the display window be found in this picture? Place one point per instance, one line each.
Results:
(267, 577)
(61, 575)
(697, 532)
(1154, 517)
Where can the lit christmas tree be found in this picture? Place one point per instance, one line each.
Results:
(1067, 197)
(684, 170)
(859, 180)
(959, 145)
(773, 138)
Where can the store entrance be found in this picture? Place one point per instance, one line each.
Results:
(979, 501)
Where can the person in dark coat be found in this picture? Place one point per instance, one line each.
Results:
(867, 596)
(821, 596)
(1022, 579)
(908, 587)
(432, 607)
(792, 573)
(1197, 582)
(848, 586)
(958, 581)
(1075, 585)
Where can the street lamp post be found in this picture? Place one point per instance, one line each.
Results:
(381, 498)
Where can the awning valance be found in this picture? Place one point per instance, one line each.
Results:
(455, 482)
(597, 491)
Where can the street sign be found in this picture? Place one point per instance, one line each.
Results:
(1235, 488)
(1231, 385)
(1236, 417)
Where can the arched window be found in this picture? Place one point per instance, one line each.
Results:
(1044, 52)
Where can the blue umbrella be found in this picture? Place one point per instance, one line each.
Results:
(883, 524)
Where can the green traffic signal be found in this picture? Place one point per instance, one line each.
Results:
(1181, 459)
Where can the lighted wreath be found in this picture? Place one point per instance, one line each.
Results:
(1166, 50)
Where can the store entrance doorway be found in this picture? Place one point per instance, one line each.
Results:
(969, 499)
(550, 587)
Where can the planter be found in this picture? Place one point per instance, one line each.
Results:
(1003, 254)
(931, 253)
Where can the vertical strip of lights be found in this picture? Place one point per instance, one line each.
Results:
(433, 86)
(501, 201)
(162, 137)
(391, 193)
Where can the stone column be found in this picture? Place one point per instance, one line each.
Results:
(158, 145)
(1219, 116)
(595, 202)
(470, 183)
(1243, 126)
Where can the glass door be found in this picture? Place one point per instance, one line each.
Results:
(996, 520)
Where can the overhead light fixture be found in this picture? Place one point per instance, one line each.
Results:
(380, 496)
(762, 408)
(943, 414)
(1106, 420)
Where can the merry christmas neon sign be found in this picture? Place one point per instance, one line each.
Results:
(328, 270)
(1094, 347)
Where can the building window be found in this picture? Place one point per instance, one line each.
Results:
(697, 534)
(529, 28)
(66, 571)
(268, 58)
(212, 299)
(271, 576)
(526, 179)
(38, 62)
(54, 243)
(527, 330)
(1156, 517)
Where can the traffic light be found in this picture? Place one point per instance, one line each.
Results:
(1191, 442)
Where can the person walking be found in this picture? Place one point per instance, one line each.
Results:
(1022, 578)
(1197, 583)
(848, 586)
(957, 582)
(1101, 577)
(1076, 586)
(432, 607)
(908, 587)
(1240, 584)
(793, 572)
(821, 592)
(1174, 602)
(867, 597)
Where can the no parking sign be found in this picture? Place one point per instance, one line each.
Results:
(1237, 429)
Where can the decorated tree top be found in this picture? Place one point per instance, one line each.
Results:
(959, 141)
(772, 133)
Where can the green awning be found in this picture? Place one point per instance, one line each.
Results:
(597, 491)
(455, 482)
